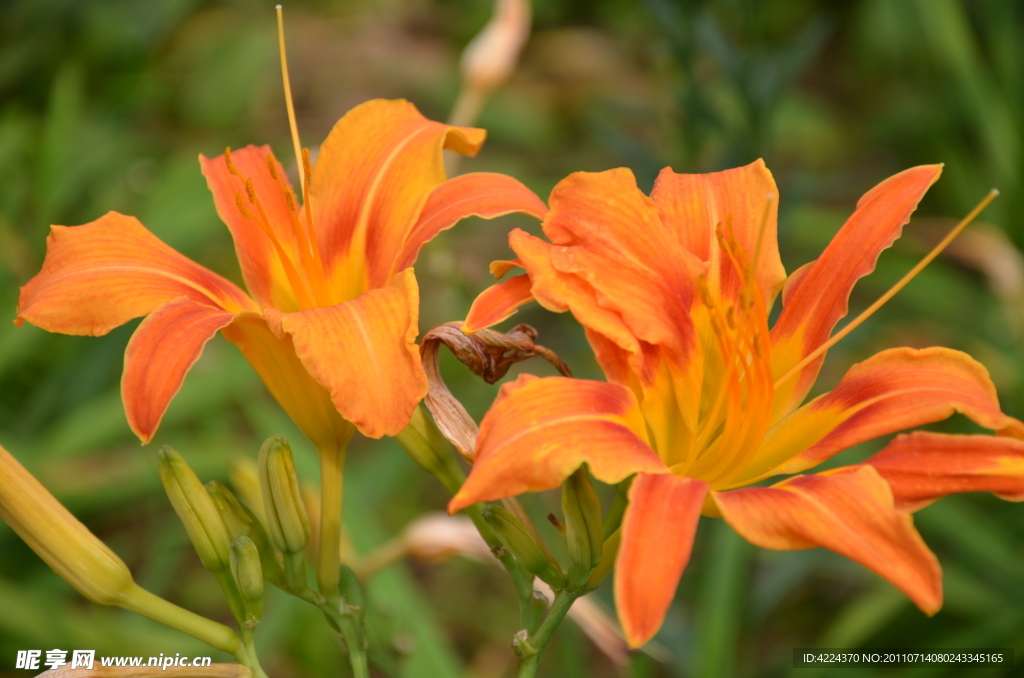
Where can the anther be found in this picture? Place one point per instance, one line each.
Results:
(272, 166)
(241, 207)
(230, 165)
(251, 191)
(704, 292)
(307, 166)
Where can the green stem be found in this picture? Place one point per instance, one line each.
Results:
(346, 622)
(247, 641)
(530, 648)
(141, 601)
(427, 445)
(332, 474)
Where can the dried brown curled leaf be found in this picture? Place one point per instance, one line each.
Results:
(488, 354)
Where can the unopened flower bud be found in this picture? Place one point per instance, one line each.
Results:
(287, 522)
(66, 545)
(523, 547)
(196, 510)
(490, 57)
(248, 574)
(608, 553)
(582, 510)
(427, 446)
(240, 522)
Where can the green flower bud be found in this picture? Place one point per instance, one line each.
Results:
(196, 510)
(240, 522)
(287, 522)
(428, 447)
(609, 552)
(248, 574)
(523, 547)
(582, 510)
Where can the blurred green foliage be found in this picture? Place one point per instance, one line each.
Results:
(105, 105)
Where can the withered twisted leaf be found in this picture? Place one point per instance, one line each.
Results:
(489, 354)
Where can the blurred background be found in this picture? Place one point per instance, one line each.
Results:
(105, 105)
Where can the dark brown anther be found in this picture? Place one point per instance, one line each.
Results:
(556, 523)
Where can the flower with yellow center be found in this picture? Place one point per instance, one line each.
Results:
(703, 398)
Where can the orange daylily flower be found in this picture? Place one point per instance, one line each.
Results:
(704, 400)
(330, 320)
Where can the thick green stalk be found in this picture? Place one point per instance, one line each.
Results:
(529, 647)
(332, 474)
(346, 622)
(141, 601)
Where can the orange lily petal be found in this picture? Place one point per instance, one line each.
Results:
(539, 431)
(101, 275)
(608, 234)
(497, 303)
(481, 194)
(742, 200)
(159, 354)
(372, 177)
(893, 390)
(260, 261)
(625, 277)
(849, 511)
(820, 300)
(500, 267)
(274, 359)
(657, 537)
(364, 353)
(921, 467)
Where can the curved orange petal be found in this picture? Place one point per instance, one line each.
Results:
(921, 467)
(372, 177)
(820, 300)
(538, 431)
(743, 200)
(500, 267)
(893, 390)
(159, 354)
(497, 303)
(657, 537)
(626, 278)
(364, 353)
(274, 359)
(609, 235)
(101, 275)
(260, 261)
(849, 511)
(481, 194)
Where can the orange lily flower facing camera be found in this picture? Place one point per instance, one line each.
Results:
(704, 399)
(331, 322)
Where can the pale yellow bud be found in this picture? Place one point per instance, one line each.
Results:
(58, 537)
(490, 58)
(248, 575)
(196, 510)
(287, 522)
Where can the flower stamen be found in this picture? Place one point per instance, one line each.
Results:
(911, 274)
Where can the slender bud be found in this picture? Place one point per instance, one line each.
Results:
(287, 522)
(240, 522)
(66, 545)
(248, 574)
(608, 553)
(245, 478)
(582, 510)
(428, 447)
(523, 547)
(490, 58)
(196, 510)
